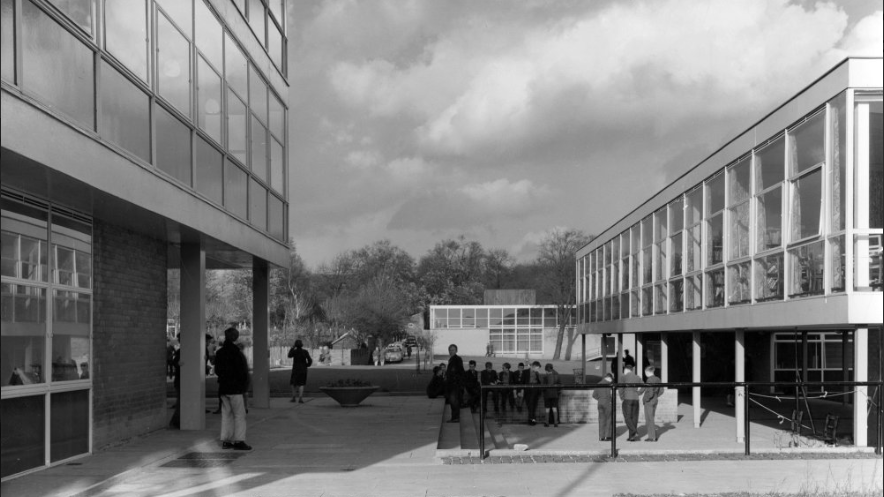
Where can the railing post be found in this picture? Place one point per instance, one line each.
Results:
(613, 420)
(481, 423)
(746, 416)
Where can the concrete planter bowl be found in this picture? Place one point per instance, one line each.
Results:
(349, 396)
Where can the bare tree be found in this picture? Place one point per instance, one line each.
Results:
(557, 258)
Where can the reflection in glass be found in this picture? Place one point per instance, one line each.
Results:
(806, 265)
(838, 263)
(695, 248)
(57, 66)
(738, 237)
(7, 40)
(647, 265)
(236, 127)
(71, 322)
(173, 146)
(125, 113)
(274, 44)
(256, 19)
(209, 171)
(675, 260)
(69, 424)
(715, 194)
(876, 167)
(258, 205)
(738, 284)
(79, 11)
(807, 199)
(769, 216)
(615, 307)
(24, 446)
(173, 65)
(235, 190)
(23, 335)
(867, 263)
(635, 304)
(72, 248)
(660, 302)
(715, 288)
(769, 278)
(694, 292)
(209, 103)
(660, 264)
(693, 206)
(738, 182)
(258, 95)
(660, 225)
(236, 69)
(838, 159)
(276, 166)
(807, 144)
(714, 240)
(277, 118)
(180, 11)
(125, 34)
(676, 299)
(635, 239)
(275, 219)
(25, 252)
(676, 215)
(647, 232)
(769, 165)
(648, 301)
(259, 149)
(209, 35)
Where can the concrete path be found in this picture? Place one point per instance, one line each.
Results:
(387, 447)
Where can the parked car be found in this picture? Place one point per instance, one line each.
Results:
(394, 353)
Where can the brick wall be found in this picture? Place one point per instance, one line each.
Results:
(129, 346)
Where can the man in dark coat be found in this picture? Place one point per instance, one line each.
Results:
(629, 396)
(603, 397)
(471, 386)
(233, 384)
(454, 379)
(650, 395)
(489, 377)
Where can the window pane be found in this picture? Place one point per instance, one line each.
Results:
(209, 103)
(695, 248)
(838, 171)
(236, 69)
(258, 205)
(615, 307)
(676, 301)
(675, 260)
(236, 127)
(173, 65)
(57, 66)
(481, 318)
(454, 318)
(635, 304)
(71, 324)
(125, 113)
(23, 334)
(277, 118)
(259, 149)
(715, 288)
(440, 318)
(715, 194)
(660, 296)
(235, 190)
(79, 11)
(625, 274)
(24, 433)
(807, 270)
(647, 301)
(7, 40)
(769, 165)
(173, 146)
(867, 264)
(876, 166)
(676, 215)
(738, 238)
(69, 425)
(635, 235)
(647, 232)
(276, 219)
(807, 144)
(209, 166)
(256, 19)
(125, 32)
(738, 284)
(838, 264)
(660, 264)
(276, 166)
(738, 182)
(274, 44)
(25, 249)
(258, 95)
(180, 11)
(694, 292)
(714, 241)
(694, 206)
(647, 267)
(770, 220)
(209, 35)
(807, 198)
(769, 278)
(468, 318)
(72, 249)
(660, 225)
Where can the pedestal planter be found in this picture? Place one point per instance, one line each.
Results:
(349, 396)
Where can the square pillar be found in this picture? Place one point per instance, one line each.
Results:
(695, 376)
(664, 357)
(618, 368)
(604, 354)
(260, 320)
(740, 398)
(193, 337)
(860, 399)
(640, 355)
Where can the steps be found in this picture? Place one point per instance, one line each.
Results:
(462, 439)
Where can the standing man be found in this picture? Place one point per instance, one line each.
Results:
(603, 396)
(649, 398)
(532, 395)
(488, 377)
(454, 376)
(629, 395)
(471, 385)
(233, 384)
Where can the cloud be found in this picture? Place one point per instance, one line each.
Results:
(472, 205)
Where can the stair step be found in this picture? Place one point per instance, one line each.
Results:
(449, 433)
(469, 438)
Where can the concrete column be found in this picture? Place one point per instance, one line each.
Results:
(664, 357)
(740, 375)
(845, 365)
(860, 399)
(618, 365)
(604, 354)
(583, 355)
(639, 355)
(193, 337)
(695, 377)
(260, 350)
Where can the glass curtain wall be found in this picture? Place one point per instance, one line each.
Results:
(171, 82)
(46, 337)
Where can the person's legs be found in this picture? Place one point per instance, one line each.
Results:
(238, 415)
(301, 394)
(650, 410)
(226, 422)
(531, 400)
(604, 421)
(454, 401)
(630, 417)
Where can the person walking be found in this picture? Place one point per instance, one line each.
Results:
(233, 384)
(603, 399)
(629, 396)
(650, 395)
(376, 356)
(551, 395)
(454, 376)
(532, 395)
(301, 360)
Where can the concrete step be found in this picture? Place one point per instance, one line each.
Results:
(449, 433)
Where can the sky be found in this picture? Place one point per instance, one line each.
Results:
(418, 121)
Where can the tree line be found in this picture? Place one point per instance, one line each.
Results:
(374, 292)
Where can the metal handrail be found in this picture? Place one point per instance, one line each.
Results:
(747, 385)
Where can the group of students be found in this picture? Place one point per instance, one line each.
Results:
(630, 396)
(463, 388)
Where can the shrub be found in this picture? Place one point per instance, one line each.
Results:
(349, 382)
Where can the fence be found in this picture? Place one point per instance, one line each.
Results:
(876, 401)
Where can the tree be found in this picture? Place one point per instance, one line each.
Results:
(557, 260)
(498, 266)
(452, 272)
(291, 296)
(379, 309)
